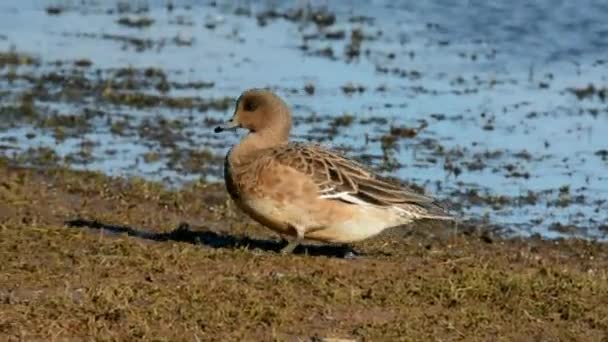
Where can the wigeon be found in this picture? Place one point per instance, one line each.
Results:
(305, 190)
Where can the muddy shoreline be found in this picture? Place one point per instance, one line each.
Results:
(88, 255)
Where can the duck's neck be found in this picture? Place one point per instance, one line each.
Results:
(254, 143)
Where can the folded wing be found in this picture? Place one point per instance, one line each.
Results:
(345, 180)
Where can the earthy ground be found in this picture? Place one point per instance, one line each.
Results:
(136, 89)
(85, 256)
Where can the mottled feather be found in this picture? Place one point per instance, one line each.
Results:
(335, 175)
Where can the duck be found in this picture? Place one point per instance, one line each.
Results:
(306, 191)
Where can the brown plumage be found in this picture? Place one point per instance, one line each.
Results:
(306, 190)
(335, 174)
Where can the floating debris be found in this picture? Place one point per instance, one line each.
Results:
(136, 21)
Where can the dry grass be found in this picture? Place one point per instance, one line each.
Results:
(223, 279)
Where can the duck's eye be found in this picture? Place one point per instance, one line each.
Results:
(250, 105)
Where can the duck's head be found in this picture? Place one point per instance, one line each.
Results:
(261, 112)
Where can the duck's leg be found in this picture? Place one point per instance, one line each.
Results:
(290, 247)
(293, 243)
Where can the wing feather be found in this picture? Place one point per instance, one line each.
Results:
(343, 179)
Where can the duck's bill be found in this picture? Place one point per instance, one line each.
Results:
(228, 126)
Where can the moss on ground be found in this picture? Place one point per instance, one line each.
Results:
(221, 278)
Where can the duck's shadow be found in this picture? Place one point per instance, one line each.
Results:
(184, 233)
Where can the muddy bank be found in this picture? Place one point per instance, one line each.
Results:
(86, 255)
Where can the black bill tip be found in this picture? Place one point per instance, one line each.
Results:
(218, 129)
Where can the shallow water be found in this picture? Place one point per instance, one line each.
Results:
(503, 137)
